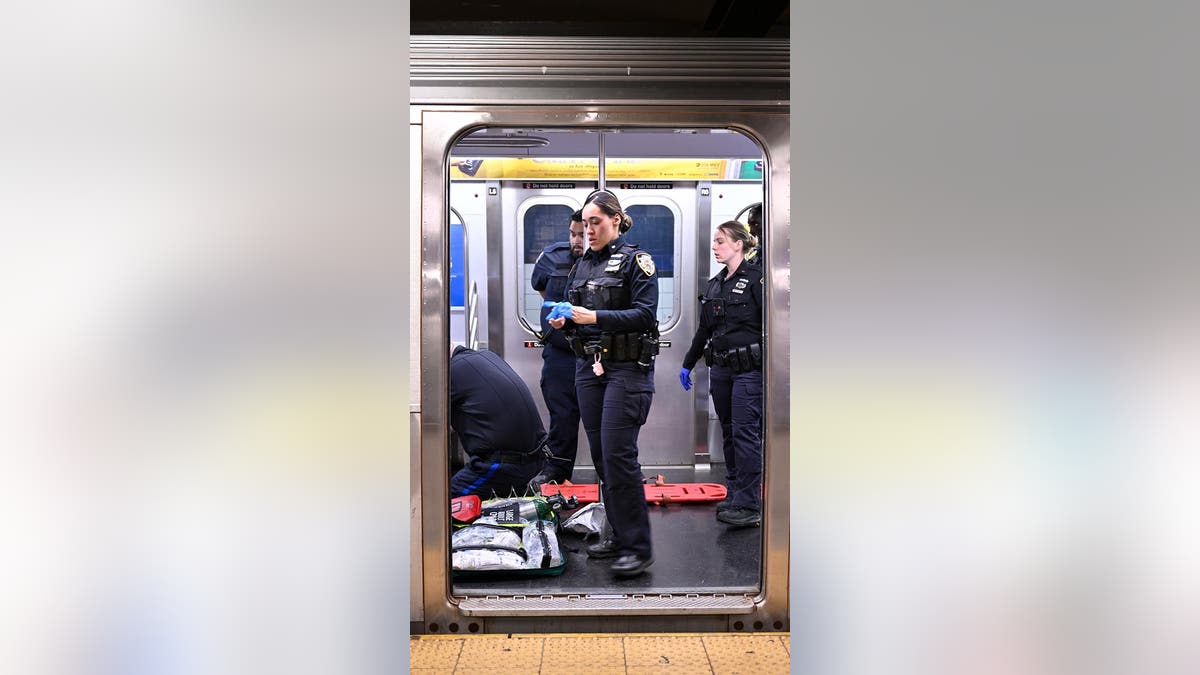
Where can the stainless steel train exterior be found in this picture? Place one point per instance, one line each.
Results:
(678, 98)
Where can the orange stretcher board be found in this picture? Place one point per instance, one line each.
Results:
(656, 493)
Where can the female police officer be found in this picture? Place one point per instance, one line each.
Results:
(613, 330)
(730, 337)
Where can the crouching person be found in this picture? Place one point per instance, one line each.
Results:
(497, 422)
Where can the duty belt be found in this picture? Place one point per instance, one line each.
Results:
(739, 359)
(639, 347)
(542, 450)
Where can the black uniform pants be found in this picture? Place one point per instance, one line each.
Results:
(739, 401)
(558, 391)
(614, 407)
(488, 478)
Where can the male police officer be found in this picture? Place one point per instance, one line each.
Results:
(497, 422)
(754, 220)
(558, 361)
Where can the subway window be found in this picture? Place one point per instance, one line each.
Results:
(459, 278)
(541, 225)
(654, 231)
(458, 265)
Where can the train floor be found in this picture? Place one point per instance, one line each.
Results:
(559, 654)
(693, 552)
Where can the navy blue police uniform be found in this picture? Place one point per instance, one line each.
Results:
(730, 339)
(621, 284)
(558, 364)
(497, 421)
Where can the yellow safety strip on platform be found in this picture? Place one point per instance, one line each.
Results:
(601, 654)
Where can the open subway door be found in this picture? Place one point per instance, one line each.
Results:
(669, 601)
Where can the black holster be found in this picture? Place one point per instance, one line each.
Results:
(583, 349)
(649, 350)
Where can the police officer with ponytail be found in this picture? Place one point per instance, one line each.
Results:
(613, 330)
(730, 339)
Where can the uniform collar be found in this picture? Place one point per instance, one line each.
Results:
(724, 273)
(607, 250)
(560, 248)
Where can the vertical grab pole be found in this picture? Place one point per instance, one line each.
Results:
(600, 185)
(600, 179)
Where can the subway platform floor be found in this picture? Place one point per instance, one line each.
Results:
(601, 654)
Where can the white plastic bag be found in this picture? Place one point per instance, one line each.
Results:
(476, 559)
(588, 520)
(541, 545)
(485, 545)
(485, 534)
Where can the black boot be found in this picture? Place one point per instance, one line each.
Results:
(606, 548)
(631, 565)
(546, 476)
(739, 516)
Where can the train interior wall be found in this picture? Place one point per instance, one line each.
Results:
(666, 440)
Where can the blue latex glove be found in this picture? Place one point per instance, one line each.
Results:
(685, 378)
(561, 310)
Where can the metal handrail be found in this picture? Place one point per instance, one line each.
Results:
(473, 317)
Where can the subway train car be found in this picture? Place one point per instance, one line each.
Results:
(509, 136)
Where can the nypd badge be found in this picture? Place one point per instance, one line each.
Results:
(645, 262)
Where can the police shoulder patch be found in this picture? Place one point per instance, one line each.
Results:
(645, 262)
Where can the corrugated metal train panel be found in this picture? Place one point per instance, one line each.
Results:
(447, 68)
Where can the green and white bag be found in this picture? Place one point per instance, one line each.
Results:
(512, 538)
